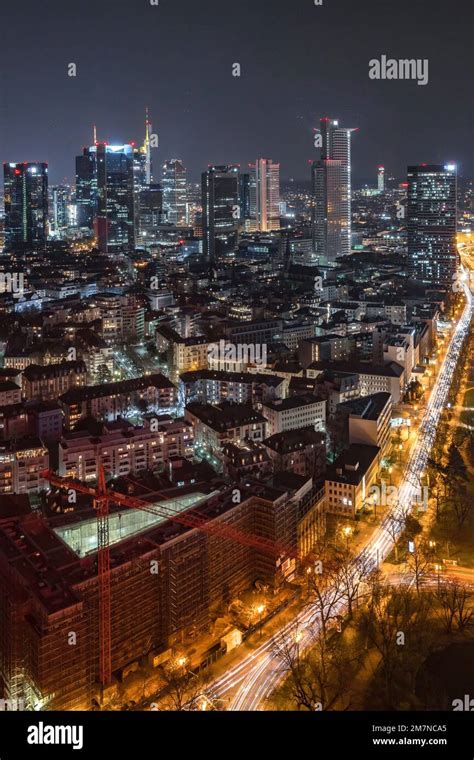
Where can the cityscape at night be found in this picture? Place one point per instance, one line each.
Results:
(237, 366)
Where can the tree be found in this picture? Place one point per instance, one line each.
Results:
(395, 622)
(320, 680)
(437, 482)
(183, 689)
(456, 469)
(460, 504)
(325, 595)
(419, 564)
(455, 602)
(464, 608)
(395, 523)
(352, 572)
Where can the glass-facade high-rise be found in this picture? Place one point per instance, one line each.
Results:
(431, 223)
(244, 192)
(150, 213)
(86, 188)
(174, 191)
(265, 195)
(331, 177)
(381, 179)
(220, 211)
(26, 203)
(59, 217)
(115, 197)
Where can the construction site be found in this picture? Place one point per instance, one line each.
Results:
(88, 595)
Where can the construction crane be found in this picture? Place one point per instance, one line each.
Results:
(102, 497)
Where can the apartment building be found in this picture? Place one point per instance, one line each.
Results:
(10, 393)
(301, 451)
(22, 463)
(109, 401)
(214, 386)
(47, 383)
(184, 354)
(216, 425)
(348, 480)
(295, 412)
(366, 420)
(373, 378)
(121, 448)
(329, 347)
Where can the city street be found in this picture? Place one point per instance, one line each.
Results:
(255, 678)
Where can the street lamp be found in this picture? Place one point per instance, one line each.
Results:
(260, 609)
(390, 470)
(347, 532)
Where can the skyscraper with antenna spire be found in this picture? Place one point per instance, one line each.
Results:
(147, 148)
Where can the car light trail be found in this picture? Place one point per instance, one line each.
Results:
(260, 672)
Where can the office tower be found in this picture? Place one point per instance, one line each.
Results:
(174, 191)
(142, 166)
(115, 198)
(142, 170)
(86, 188)
(26, 203)
(381, 179)
(146, 149)
(150, 205)
(59, 217)
(220, 211)
(265, 195)
(331, 177)
(244, 195)
(431, 223)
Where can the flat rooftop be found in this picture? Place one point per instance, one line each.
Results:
(81, 537)
(367, 407)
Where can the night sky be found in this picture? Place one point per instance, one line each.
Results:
(298, 62)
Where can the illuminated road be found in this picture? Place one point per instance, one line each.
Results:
(256, 676)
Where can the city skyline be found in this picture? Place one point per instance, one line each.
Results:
(235, 118)
(237, 366)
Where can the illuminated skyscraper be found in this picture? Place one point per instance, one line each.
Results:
(174, 190)
(147, 150)
(331, 177)
(86, 188)
(26, 203)
(59, 217)
(150, 212)
(142, 160)
(220, 211)
(115, 197)
(265, 195)
(381, 179)
(431, 223)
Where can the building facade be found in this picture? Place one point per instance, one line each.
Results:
(26, 203)
(431, 223)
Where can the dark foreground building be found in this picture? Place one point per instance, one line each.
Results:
(165, 579)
